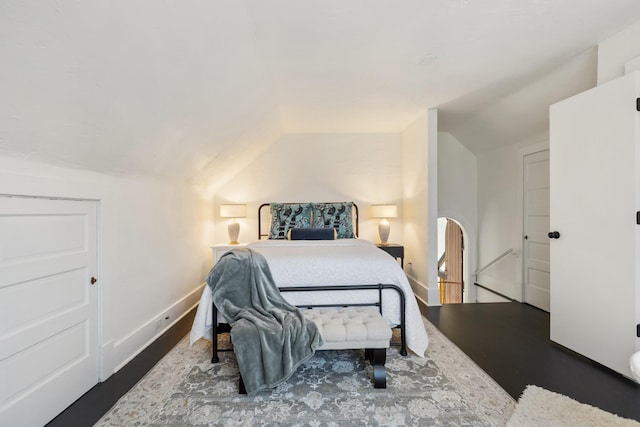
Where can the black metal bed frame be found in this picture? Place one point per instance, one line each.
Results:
(355, 219)
(380, 287)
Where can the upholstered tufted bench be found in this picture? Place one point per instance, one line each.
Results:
(344, 327)
(355, 328)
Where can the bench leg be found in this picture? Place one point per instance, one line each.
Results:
(378, 357)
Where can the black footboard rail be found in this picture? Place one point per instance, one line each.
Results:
(380, 287)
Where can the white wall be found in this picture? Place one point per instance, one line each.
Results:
(442, 229)
(153, 247)
(364, 168)
(458, 198)
(500, 218)
(497, 219)
(420, 205)
(614, 52)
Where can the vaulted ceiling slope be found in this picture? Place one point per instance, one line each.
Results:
(195, 89)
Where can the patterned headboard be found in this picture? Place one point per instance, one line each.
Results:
(264, 218)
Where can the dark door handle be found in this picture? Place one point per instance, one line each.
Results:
(554, 235)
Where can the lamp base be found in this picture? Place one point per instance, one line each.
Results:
(234, 230)
(383, 231)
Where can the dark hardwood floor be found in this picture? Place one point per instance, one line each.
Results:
(509, 341)
(87, 410)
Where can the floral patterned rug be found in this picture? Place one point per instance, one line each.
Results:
(334, 388)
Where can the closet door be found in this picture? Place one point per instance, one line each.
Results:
(48, 307)
(535, 249)
(593, 204)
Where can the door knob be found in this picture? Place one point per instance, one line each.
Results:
(554, 235)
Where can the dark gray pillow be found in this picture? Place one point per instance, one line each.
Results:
(313, 234)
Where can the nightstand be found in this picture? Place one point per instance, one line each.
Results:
(395, 250)
(219, 249)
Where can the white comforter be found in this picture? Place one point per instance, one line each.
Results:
(332, 262)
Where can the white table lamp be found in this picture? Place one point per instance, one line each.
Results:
(384, 212)
(233, 211)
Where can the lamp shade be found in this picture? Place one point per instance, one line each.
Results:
(233, 211)
(384, 211)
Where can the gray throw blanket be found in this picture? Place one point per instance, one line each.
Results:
(271, 338)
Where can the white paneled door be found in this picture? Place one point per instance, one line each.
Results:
(48, 307)
(595, 173)
(536, 229)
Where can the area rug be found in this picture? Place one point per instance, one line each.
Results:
(540, 407)
(334, 388)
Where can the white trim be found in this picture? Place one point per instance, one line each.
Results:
(432, 208)
(522, 153)
(433, 294)
(101, 296)
(126, 349)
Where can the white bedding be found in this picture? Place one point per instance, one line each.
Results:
(332, 262)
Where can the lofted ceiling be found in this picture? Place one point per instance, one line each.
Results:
(196, 89)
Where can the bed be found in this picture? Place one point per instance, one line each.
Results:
(344, 261)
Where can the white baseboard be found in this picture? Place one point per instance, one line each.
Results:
(420, 291)
(116, 354)
(482, 295)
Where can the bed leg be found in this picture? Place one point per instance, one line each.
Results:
(403, 340)
(403, 326)
(241, 389)
(214, 334)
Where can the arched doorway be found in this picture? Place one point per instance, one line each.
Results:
(451, 261)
